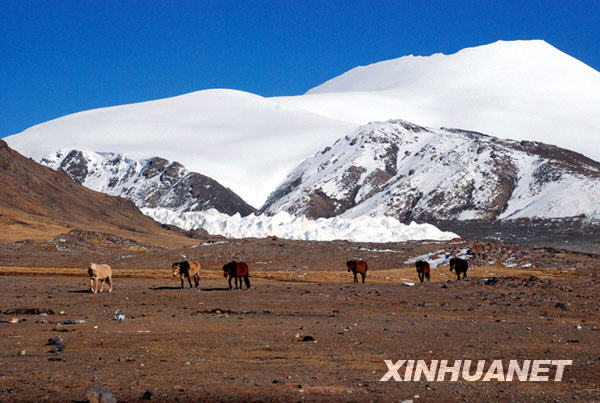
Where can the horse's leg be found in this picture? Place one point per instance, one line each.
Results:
(229, 281)
(457, 274)
(464, 274)
(428, 277)
(181, 277)
(102, 285)
(355, 279)
(197, 280)
(91, 284)
(95, 285)
(420, 276)
(189, 280)
(109, 281)
(363, 275)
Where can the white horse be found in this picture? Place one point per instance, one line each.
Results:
(99, 272)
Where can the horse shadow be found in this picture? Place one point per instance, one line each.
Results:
(215, 289)
(168, 287)
(86, 291)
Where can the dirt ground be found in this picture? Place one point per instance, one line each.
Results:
(216, 344)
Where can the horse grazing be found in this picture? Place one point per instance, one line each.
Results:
(187, 270)
(422, 269)
(459, 266)
(237, 271)
(357, 266)
(100, 272)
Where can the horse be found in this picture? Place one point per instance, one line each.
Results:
(422, 270)
(188, 270)
(459, 266)
(357, 266)
(237, 271)
(100, 272)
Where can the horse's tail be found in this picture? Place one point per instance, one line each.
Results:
(247, 280)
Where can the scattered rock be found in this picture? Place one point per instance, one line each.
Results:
(71, 322)
(307, 338)
(22, 353)
(57, 343)
(97, 394)
(147, 395)
(561, 306)
(490, 281)
(29, 311)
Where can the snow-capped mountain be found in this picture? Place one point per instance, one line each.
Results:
(524, 90)
(521, 90)
(150, 183)
(411, 172)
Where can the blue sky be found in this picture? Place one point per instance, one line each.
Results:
(60, 57)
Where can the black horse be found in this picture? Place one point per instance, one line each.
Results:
(459, 266)
(423, 269)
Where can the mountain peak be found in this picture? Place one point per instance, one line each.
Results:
(512, 59)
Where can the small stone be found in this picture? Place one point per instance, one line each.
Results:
(57, 343)
(148, 395)
(561, 306)
(22, 352)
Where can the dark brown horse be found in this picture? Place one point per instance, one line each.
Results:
(459, 266)
(357, 266)
(422, 269)
(237, 271)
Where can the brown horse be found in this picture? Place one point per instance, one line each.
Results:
(422, 270)
(237, 271)
(357, 266)
(187, 270)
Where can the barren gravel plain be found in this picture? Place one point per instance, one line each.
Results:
(303, 332)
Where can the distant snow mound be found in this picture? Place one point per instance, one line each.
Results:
(244, 141)
(284, 225)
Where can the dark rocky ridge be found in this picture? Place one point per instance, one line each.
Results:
(152, 183)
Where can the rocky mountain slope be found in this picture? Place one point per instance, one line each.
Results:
(149, 183)
(39, 203)
(410, 172)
